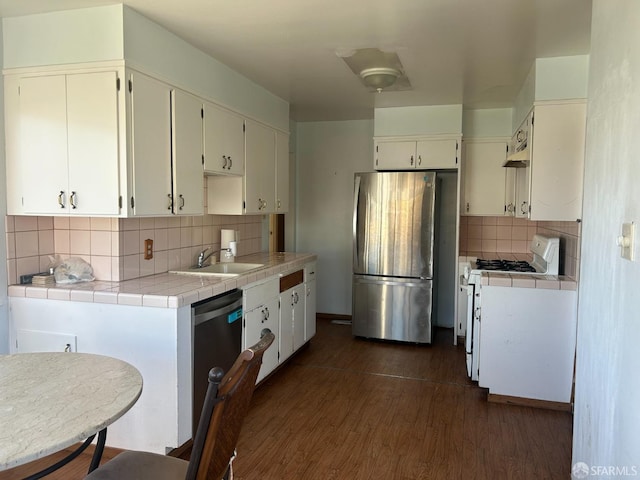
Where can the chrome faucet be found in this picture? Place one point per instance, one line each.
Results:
(203, 258)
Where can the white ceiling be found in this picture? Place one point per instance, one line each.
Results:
(475, 52)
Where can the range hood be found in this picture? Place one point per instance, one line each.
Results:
(518, 159)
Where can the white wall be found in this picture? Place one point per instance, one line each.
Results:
(328, 154)
(421, 120)
(489, 122)
(163, 53)
(55, 38)
(4, 318)
(606, 420)
(562, 77)
(117, 32)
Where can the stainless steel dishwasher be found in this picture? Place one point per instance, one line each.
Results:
(217, 341)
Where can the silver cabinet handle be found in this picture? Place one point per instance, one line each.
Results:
(260, 204)
(411, 163)
(419, 159)
(523, 208)
(230, 164)
(279, 204)
(72, 200)
(264, 204)
(297, 296)
(224, 164)
(181, 201)
(308, 292)
(61, 201)
(170, 197)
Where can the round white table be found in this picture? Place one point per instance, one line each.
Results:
(49, 401)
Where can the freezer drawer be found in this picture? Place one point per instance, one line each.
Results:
(392, 308)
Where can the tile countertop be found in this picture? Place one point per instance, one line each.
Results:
(166, 290)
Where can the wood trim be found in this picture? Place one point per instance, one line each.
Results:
(291, 280)
(332, 316)
(530, 402)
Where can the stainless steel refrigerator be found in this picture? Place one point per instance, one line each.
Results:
(393, 252)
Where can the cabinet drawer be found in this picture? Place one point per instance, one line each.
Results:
(256, 295)
(291, 280)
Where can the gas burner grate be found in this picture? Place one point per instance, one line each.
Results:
(505, 266)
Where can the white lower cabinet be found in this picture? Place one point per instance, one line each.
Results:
(527, 342)
(310, 301)
(291, 320)
(256, 320)
(260, 305)
(290, 314)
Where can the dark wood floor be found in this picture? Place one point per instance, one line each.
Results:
(347, 408)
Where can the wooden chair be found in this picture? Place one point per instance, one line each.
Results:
(225, 406)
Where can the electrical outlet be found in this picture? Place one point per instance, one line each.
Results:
(148, 249)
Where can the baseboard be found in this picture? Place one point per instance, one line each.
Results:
(332, 316)
(529, 402)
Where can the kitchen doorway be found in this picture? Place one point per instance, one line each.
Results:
(276, 233)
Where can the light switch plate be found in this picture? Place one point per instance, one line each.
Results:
(626, 241)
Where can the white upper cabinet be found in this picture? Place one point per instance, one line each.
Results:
(395, 155)
(223, 141)
(550, 142)
(484, 177)
(437, 154)
(282, 172)
(557, 161)
(150, 145)
(68, 144)
(188, 178)
(420, 154)
(166, 149)
(260, 175)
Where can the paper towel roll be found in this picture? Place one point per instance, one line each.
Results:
(227, 236)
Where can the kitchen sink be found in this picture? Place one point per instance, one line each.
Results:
(231, 269)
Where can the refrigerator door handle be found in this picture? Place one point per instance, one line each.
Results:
(356, 197)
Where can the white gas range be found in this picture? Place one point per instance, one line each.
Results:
(546, 261)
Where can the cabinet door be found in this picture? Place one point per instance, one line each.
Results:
(299, 296)
(264, 316)
(510, 191)
(93, 148)
(310, 310)
(395, 155)
(223, 141)
(433, 154)
(522, 192)
(188, 177)
(260, 175)
(484, 178)
(557, 162)
(282, 172)
(43, 144)
(150, 146)
(287, 305)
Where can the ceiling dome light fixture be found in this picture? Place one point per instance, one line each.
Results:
(380, 78)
